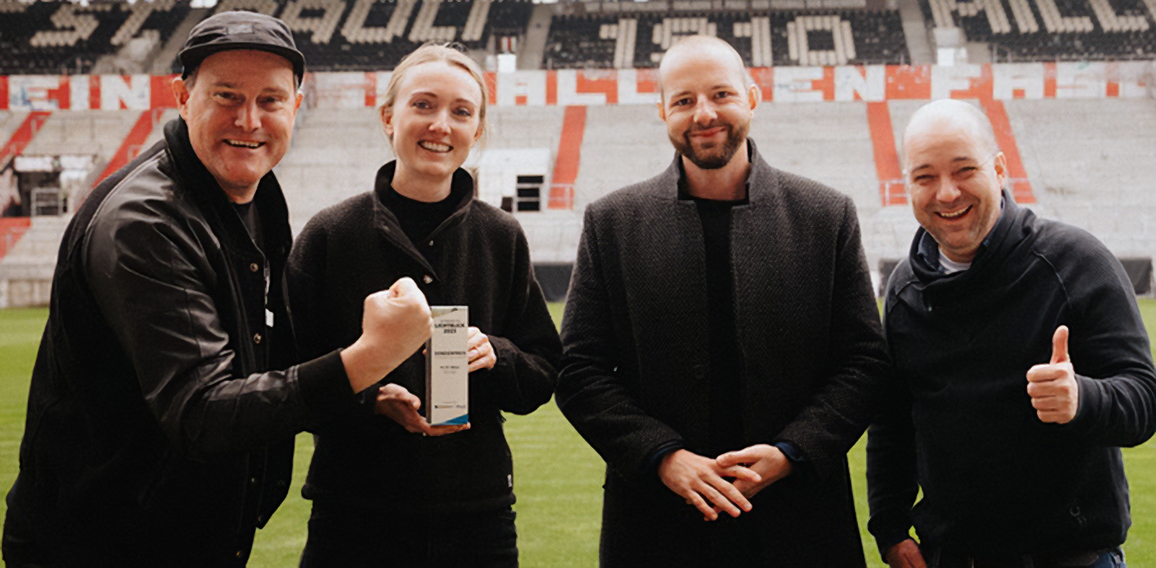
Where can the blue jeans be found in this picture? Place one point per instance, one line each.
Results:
(347, 537)
(1110, 559)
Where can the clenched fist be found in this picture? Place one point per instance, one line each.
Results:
(396, 322)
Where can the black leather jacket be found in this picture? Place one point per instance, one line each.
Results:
(155, 435)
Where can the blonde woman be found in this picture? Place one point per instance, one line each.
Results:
(388, 489)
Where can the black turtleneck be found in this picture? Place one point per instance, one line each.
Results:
(419, 219)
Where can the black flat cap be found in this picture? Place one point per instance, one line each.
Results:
(240, 30)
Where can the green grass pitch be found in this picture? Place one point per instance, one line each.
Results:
(558, 477)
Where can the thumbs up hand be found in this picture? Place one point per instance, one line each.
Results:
(1055, 394)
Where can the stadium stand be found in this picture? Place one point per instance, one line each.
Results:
(375, 35)
(581, 42)
(1094, 167)
(26, 269)
(335, 154)
(1087, 161)
(54, 37)
(96, 133)
(64, 37)
(1052, 30)
(775, 37)
(1091, 163)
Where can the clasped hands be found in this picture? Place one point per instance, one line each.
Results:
(726, 483)
(402, 406)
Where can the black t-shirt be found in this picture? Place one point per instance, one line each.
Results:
(726, 364)
(252, 221)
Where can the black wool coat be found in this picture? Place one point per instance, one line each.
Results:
(636, 356)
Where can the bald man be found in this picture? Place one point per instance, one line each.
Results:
(1025, 366)
(722, 344)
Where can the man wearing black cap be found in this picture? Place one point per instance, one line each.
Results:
(163, 406)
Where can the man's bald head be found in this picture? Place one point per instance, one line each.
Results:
(707, 102)
(700, 46)
(955, 115)
(954, 173)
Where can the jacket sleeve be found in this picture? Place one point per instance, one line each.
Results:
(148, 272)
(304, 282)
(526, 373)
(892, 474)
(1109, 349)
(859, 369)
(311, 301)
(892, 468)
(593, 391)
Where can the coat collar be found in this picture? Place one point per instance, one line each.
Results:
(388, 225)
(762, 182)
(1013, 227)
(194, 178)
(462, 184)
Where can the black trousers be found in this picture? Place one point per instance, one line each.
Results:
(343, 537)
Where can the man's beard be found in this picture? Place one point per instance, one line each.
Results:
(716, 157)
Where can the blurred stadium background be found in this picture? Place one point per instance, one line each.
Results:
(1069, 85)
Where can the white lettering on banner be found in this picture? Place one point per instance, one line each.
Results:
(870, 84)
(1135, 78)
(134, 94)
(528, 86)
(795, 84)
(948, 78)
(382, 84)
(628, 93)
(1002, 81)
(568, 91)
(31, 92)
(1011, 77)
(1081, 80)
(78, 92)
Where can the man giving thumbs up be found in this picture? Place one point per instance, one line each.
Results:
(1055, 394)
(1026, 367)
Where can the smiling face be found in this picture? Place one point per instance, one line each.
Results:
(954, 176)
(704, 104)
(240, 110)
(432, 124)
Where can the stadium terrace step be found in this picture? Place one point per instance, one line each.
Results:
(26, 271)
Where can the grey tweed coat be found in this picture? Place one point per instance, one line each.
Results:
(635, 365)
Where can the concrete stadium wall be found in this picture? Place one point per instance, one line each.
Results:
(82, 132)
(1093, 164)
(335, 155)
